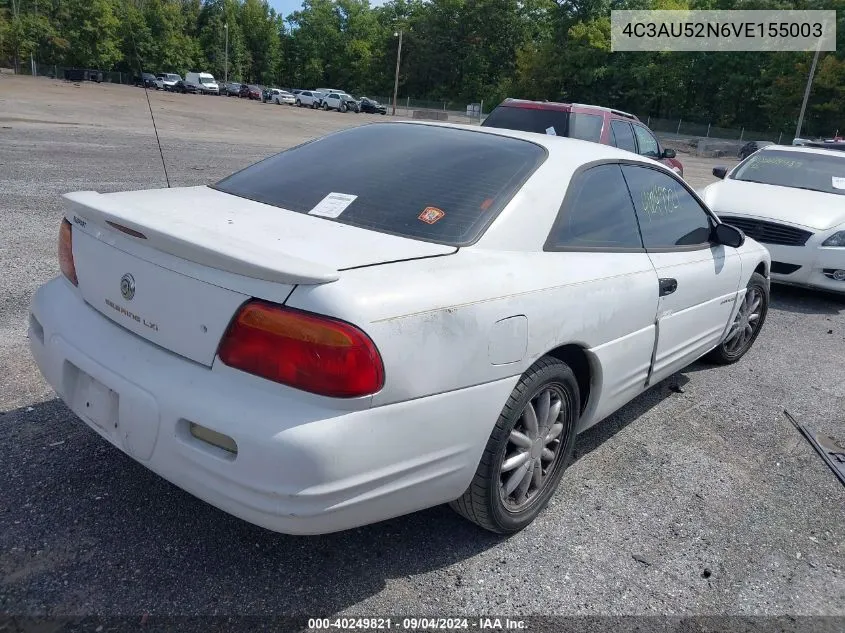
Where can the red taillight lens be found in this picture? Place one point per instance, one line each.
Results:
(66, 252)
(303, 350)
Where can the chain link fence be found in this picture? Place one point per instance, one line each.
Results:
(679, 127)
(76, 74)
(451, 111)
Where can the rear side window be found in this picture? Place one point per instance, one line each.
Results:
(587, 127)
(432, 183)
(529, 120)
(668, 214)
(623, 136)
(597, 213)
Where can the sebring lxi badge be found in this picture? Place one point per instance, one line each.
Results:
(127, 286)
(127, 291)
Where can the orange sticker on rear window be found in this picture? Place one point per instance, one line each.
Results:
(486, 204)
(430, 215)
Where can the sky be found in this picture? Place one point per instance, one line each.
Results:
(286, 7)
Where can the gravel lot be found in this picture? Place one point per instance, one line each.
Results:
(727, 508)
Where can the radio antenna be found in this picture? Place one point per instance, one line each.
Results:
(147, 95)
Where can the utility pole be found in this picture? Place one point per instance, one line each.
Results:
(807, 89)
(396, 78)
(226, 72)
(17, 50)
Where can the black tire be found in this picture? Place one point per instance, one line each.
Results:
(325, 106)
(298, 103)
(483, 502)
(342, 108)
(726, 353)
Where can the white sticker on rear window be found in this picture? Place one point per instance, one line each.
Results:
(551, 131)
(333, 205)
(838, 183)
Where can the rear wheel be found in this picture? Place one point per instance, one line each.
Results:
(747, 323)
(527, 452)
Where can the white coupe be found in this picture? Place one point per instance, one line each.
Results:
(792, 200)
(315, 349)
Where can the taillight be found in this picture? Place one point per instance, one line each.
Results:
(66, 252)
(302, 350)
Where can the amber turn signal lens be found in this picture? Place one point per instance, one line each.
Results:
(66, 252)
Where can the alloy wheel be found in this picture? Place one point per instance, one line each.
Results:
(746, 323)
(534, 448)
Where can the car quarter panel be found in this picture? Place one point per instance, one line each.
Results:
(434, 320)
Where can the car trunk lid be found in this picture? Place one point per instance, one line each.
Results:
(174, 265)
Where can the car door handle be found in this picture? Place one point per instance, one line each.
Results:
(668, 286)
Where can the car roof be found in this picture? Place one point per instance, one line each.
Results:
(563, 107)
(805, 149)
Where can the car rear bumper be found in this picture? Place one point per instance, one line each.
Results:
(812, 262)
(301, 466)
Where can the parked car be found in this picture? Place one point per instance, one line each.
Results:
(308, 98)
(256, 92)
(145, 80)
(585, 122)
(181, 87)
(233, 89)
(280, 97)
(202, 83)
(341, 102)
(792, 200)
(325, 92)
(371, 106)
(167, 81)
(269, 362)
(750, 147)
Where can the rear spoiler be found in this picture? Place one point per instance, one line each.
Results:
(198, 244)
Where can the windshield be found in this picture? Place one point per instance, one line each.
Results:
(173, 77)
(416, 181)
(207, 80)
(800, 170)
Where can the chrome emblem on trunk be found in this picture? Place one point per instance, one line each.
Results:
(127, 286)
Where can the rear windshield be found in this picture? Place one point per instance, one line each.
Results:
(437, 184)
(800, 170)
(529, 120)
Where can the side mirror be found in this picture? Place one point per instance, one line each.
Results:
(720, 172)
(669, 153)
(728, 235)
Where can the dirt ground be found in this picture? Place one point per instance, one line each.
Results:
(697, 498)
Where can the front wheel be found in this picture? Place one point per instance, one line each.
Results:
(298, 103)
(342, 108)
(747, 323)
(527, 452)
(325, 106)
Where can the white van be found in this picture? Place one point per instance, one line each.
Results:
(203, 83)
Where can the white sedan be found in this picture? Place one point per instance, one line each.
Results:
(791, 199)
(280, 97)
(313, 350)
